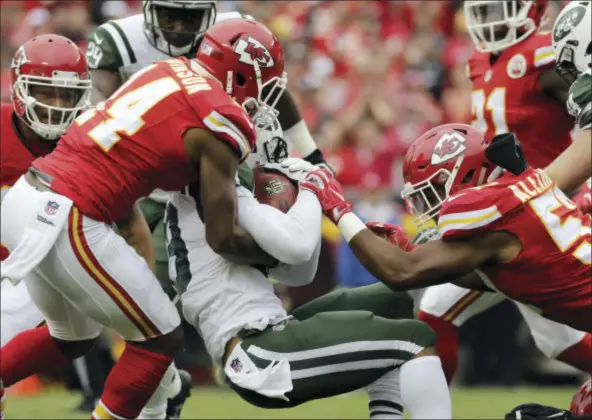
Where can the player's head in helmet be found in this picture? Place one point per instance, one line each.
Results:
(581, 404)
(176, 26)
(50, 84)
(443, 161)
(270, 146)
(572, 39)
(248, 60)
(495, 25)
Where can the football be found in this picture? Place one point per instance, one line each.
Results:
(275, 189)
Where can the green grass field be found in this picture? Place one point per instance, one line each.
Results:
(481, 403)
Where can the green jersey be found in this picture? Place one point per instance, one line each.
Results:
(122, 45)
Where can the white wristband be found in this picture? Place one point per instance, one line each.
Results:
(350, 225)
(301, 138)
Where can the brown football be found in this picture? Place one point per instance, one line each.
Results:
(275, 189)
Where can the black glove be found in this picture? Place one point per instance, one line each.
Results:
(538, 412)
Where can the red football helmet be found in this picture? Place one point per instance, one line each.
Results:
(441, 162)
(582, 400)
(248, 59)
(496, 25)
(56, 69)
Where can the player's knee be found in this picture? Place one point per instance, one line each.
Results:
(423, 334)
(74, 349)
(168, 344)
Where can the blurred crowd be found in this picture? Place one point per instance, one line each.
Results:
(369, 78)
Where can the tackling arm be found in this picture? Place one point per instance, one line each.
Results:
(136, 233)
(296, 130)
(218, 166)
(433, 263)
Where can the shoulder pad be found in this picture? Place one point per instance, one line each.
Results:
(539, 50)
(471, 211)
(231, 123)
(108, 48)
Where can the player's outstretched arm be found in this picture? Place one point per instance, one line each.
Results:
(433, 263)
(574, 166)
(218, 165)
(134, 229)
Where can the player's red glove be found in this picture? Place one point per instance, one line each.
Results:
(392, 233)
(330, 193)
(583, 198)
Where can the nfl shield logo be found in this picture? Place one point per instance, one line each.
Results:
(52, 207)
(236, 365)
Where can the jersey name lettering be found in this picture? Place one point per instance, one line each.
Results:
(531, 187)
(191, 81)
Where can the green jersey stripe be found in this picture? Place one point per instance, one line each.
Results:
(131, 56)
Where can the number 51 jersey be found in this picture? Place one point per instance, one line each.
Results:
(507, 97)
(552, 269)
(133, 143)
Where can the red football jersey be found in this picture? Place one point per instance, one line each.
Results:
(123, 150)
(507, 97)
(16, 154)
(552, 270)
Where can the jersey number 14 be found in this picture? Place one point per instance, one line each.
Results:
(127, 109)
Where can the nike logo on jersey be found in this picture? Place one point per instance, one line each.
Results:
(98, 40)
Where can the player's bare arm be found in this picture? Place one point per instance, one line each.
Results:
(134, 229)
(218, 166)
(104, 83)
(554, 85)
(574, 166)
(430, 264)
(295, 128)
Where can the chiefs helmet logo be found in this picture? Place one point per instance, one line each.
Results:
(251, 51)
(448, 147)
(19, 59)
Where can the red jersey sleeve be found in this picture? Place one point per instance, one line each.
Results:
(231, 124)
(540, 52)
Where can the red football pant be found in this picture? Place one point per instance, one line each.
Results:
(131, 383)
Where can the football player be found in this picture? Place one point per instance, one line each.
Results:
(579, 409)
(169, 28)
(29, 133)
(40, 112)
(340, 342)
(57, 218)
(526, 238)
(515, 89)
(572, 45)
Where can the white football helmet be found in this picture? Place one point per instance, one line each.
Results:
(204, 12)
(496, 25)
(572, 39)
(270, 146)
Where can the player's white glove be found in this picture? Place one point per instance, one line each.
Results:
(294, 168)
